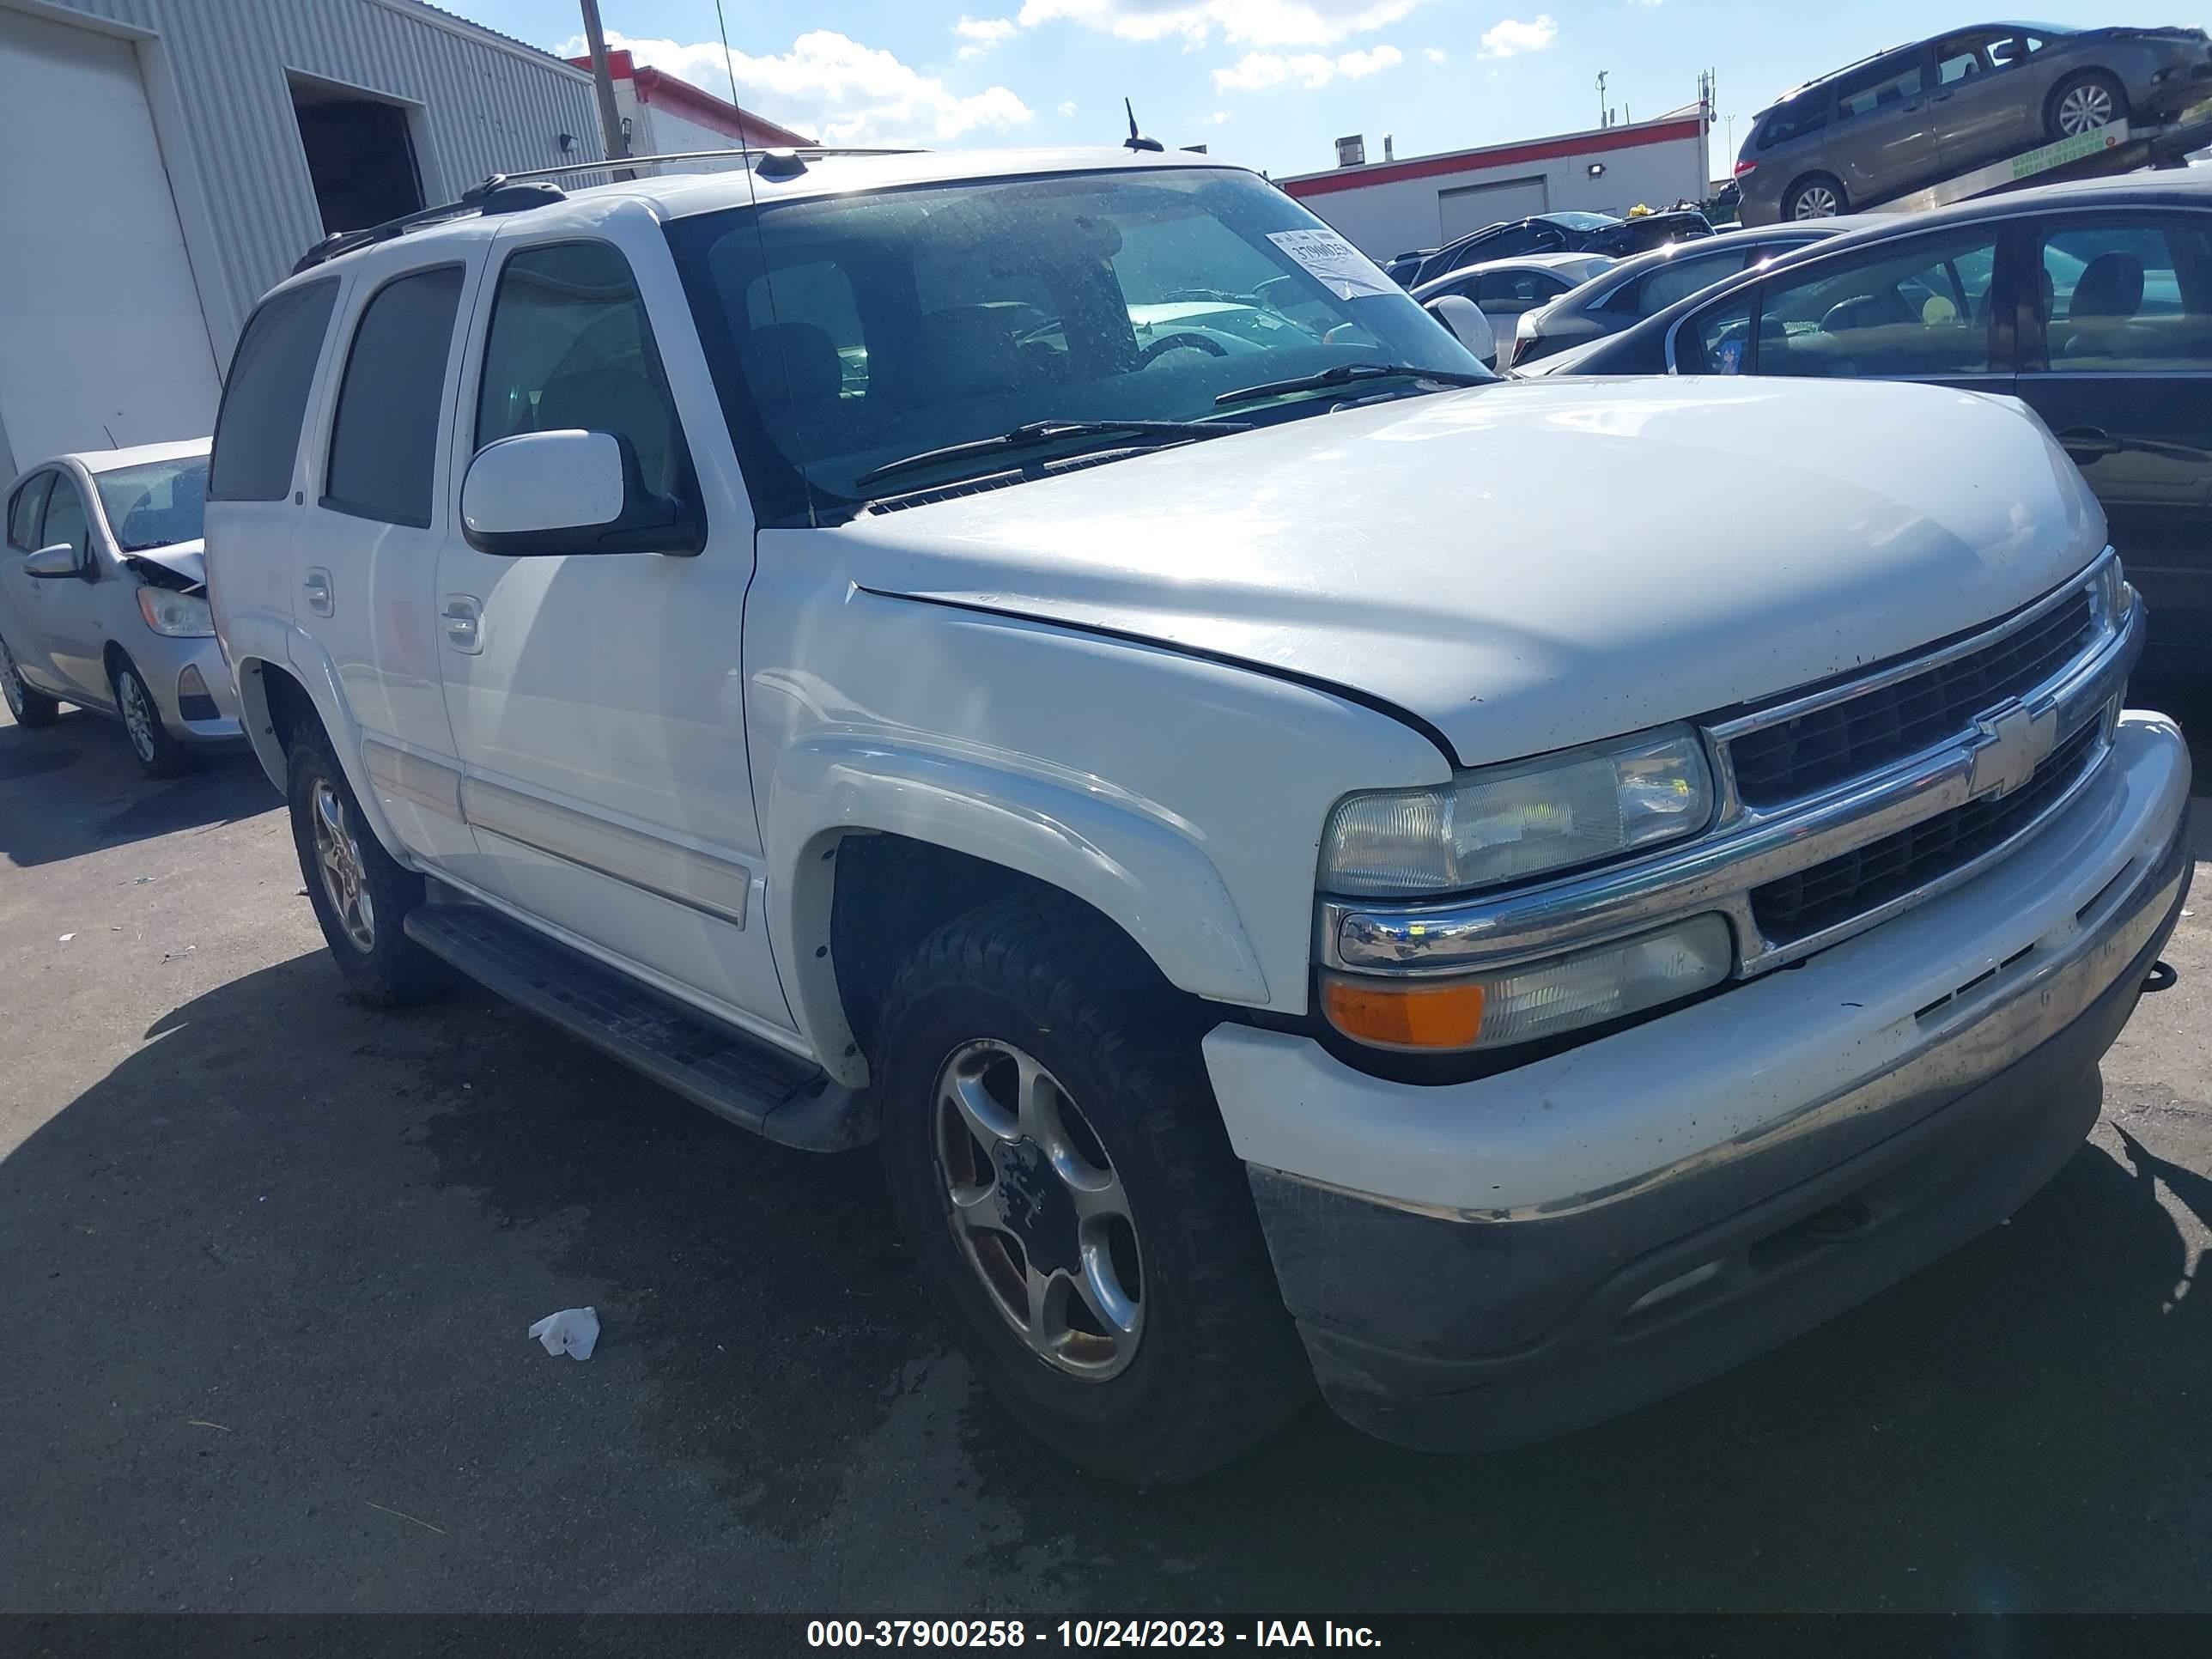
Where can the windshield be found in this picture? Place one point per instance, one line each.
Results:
(851, 333)
(155, 505)
(1582, 221)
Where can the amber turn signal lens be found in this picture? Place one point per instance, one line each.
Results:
(1405, 1016)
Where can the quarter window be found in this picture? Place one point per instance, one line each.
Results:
(570, 348)
(257, 433)
(24, 511)
(2122, 298)
(384, 440)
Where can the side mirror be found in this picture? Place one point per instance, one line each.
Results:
(52, 563)
(546, 493)
(1467, 325)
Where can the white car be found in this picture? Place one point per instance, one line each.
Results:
(103, 600)
(1290, 911)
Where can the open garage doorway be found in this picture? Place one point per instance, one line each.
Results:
(361, 153)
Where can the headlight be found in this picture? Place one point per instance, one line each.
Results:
(1508, 823)
(180, 616)
(1535, 999)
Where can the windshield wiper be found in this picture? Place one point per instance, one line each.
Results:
(1344, 374)
(1031, 433)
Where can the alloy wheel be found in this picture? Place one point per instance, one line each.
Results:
(345, 877)
(2085, 108)
(1816, 201)
(1038, 1210)
(138, 716)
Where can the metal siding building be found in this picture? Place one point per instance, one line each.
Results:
(1387, 207)
(101, 99)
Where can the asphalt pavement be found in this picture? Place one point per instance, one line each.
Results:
(267, 1260)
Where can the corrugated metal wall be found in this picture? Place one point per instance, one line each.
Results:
(216, 73)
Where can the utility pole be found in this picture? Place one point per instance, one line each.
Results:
(1604, 115)
(610, 132)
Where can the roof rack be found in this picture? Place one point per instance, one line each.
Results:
(530, 187)
(785, 153)
(497, 194)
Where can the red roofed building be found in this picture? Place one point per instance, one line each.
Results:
(664, 116)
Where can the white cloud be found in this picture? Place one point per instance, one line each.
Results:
(1068, 108)
(1259, 23)
(830, 84)
(1434, 54)
(1258, 71)
(1513, 36)
(1219, 118)
(1360, 65)
(980, 34)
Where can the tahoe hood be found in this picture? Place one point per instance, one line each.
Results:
(1528, 566)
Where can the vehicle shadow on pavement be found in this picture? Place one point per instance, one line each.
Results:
(266, 1284)
(73, 788)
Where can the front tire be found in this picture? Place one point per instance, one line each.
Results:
(361, 895)
(160, 754)
(1816, 196)
(2084, 102)
(29, 707)
(1059, 1164)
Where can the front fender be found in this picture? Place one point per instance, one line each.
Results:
(1127, 858)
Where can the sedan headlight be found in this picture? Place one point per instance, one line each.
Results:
(1503, 823)
(179, 616)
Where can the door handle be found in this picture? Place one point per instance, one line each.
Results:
(317, 587)
(462, 615)
(2087, 443)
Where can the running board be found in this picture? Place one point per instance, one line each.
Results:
(754, 1085)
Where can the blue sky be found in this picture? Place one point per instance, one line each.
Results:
(1270, 83)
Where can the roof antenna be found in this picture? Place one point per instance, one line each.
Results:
(1137, 140)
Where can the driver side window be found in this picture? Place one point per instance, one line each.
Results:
(66, 521)
(1920, 310)
(570, 346)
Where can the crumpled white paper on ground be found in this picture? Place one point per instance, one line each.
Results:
(573, 1331)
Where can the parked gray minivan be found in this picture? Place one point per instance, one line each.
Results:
(1906, 118)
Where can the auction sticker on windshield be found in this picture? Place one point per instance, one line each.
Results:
(1343, 269)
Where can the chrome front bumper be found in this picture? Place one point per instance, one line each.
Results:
(1750, 847)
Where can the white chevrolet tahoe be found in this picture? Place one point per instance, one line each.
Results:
(1052, 663)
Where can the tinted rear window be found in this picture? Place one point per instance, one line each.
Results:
(257, 434)
(384, 440)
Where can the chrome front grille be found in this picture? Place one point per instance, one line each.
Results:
(1841, 804)
(1827, 745)
(1811, 902)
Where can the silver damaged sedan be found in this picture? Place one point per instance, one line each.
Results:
(103, 600)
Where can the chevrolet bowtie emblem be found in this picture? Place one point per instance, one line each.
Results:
(2014, 744)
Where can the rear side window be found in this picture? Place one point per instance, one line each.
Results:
(1887, 85)
(1680, 278)
(23, 512)
(2127, 296)
(257, 434)
(570, 348)
(384, 441)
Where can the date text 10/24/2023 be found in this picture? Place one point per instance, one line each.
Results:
(1086, 1633)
